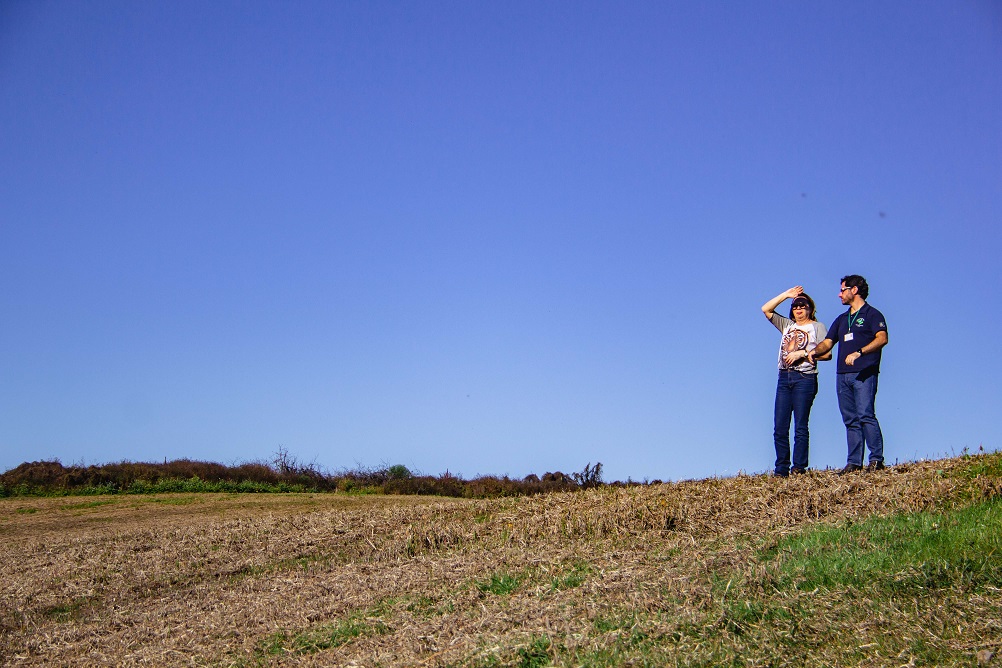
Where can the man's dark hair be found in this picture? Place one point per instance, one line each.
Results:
(858, 282)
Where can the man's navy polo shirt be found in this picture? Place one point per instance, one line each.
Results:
(865, 324)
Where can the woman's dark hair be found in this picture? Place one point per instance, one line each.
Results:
(858, 282)
(810, 306)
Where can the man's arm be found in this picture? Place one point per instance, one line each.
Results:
(821, 333)
(798, 355)
(820, 351)
(879, 341)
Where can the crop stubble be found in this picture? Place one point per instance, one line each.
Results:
(256, 579)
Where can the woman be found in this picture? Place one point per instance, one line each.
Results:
(798, 378)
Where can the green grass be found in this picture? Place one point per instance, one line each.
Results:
(163, 486)
(500, 584)
(86, 504)
(68, 612)
(505, 583)
(176, 500)
(579, 572)
(901, 553)
(984, 466)
(323, 636)
(536, 654)
(813, 587)
(425, 606)
(805, 596)
(197, 485)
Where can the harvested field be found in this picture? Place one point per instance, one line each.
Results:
(676, 574)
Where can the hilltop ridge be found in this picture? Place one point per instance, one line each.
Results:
(896, 567)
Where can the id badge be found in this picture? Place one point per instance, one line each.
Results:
(848, 337)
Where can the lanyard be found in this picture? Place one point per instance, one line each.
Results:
(854, 318)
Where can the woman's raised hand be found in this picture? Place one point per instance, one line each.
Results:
(769, 307)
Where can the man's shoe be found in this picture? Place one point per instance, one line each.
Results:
(796, 471)
(850, 468)
(780, 474)
(875, 466)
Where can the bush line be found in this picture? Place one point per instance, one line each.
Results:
(283, 475)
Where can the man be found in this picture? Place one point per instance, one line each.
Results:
(861, 332)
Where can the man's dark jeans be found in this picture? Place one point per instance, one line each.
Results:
(795, 394)
(856, 395)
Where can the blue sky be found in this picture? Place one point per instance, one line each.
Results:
(488, 238)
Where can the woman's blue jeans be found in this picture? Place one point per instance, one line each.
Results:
(795, 394)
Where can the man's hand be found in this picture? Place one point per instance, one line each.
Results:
(852, 357)
(820, 350)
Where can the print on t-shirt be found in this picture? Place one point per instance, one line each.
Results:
(794, 339)
(797, 337)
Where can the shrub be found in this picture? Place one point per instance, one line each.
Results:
(398, 472)
(285, 474)
(590, 476)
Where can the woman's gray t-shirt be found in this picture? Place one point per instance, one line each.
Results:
(798, 337)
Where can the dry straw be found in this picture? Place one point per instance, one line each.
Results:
(609, 576)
